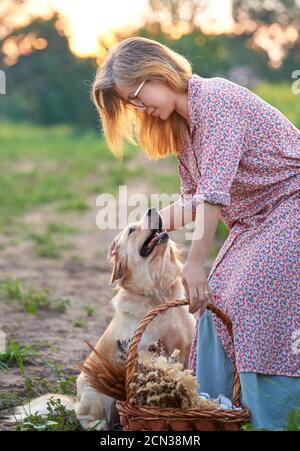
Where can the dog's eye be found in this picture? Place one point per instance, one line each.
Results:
(132, 229)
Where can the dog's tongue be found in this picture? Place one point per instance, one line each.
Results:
(154, 239)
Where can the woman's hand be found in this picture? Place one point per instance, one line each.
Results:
(112, 250)
(195, 284)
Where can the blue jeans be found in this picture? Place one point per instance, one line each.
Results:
(269, 398)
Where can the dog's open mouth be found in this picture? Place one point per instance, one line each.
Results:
(155, 238)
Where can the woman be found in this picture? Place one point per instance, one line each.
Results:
(238, 160)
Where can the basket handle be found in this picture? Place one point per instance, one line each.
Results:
(133, 354)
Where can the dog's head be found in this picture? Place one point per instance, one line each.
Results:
(145, 258)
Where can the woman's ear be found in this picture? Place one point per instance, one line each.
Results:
(118, 268)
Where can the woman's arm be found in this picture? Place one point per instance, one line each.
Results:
(175, 216)
(194, 277)
(206, 221)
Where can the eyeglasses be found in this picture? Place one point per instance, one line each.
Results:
(133, 100)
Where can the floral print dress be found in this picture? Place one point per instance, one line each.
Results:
(244, 154)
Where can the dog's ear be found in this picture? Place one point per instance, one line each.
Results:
(118, 268)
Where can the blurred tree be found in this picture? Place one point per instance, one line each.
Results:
(177, 12)
(46, 82)
(284, 12)
(276, 27)
(212, 55)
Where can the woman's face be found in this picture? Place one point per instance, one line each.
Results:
(158, 99)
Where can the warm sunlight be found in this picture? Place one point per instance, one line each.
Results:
(86, 21)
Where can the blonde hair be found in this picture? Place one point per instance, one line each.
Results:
(126, 65)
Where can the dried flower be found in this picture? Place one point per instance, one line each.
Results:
(158, 380)
(161, 381)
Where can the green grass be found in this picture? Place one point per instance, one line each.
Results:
(9, 400)
(58, 418)
(169, 184)
(63, 384)
(281, 97)
(79, 323)
(16, 354)
(89, 310)
(31, 300)
(76, 204)
(292, 423)
(51, 243)
(46, 246)
(59, 382)
(19, 355)
(65, 229)
(53, 165)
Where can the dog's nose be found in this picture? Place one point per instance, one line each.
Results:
(150, 210)
(154, 219)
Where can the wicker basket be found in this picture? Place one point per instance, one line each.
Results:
(137, 418)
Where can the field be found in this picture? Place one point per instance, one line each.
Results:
(54, 279)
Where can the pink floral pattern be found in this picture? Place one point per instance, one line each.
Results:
(244, 154)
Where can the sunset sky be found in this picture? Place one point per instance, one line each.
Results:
(87, 20)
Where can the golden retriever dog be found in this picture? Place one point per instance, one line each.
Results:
(147, 272)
